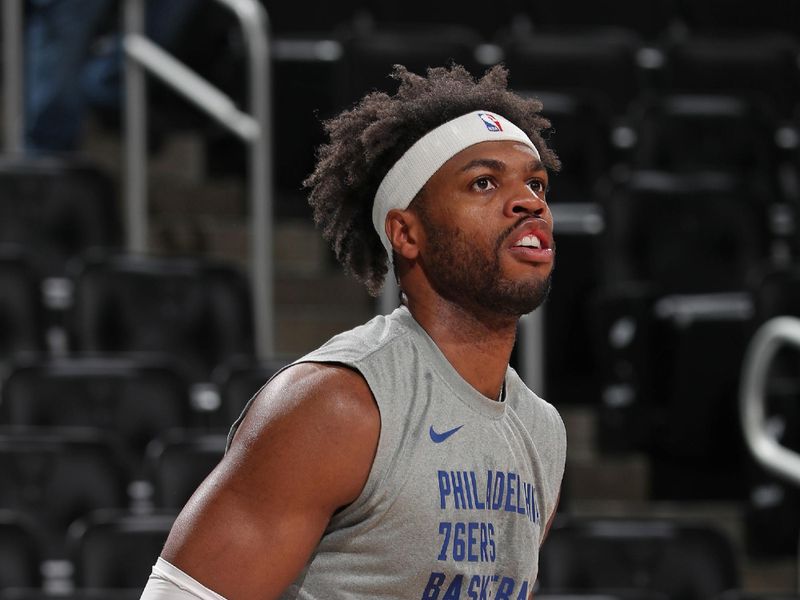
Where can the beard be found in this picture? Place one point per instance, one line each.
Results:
(469, 276)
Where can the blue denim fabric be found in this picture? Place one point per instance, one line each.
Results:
(64, 77)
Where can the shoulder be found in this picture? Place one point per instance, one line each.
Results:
(316, 381)
(526, 401)
(356, 345)
(313, 411)
(312, 390)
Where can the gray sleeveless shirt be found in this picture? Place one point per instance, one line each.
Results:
(461, 488)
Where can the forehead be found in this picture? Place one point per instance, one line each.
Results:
(507, 153)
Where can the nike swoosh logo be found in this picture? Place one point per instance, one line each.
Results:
(438, 438)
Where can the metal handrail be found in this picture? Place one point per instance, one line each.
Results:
(13, 88)
(766, 342)
(253, 128)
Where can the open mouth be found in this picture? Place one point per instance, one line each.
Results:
(533, 245)
(529, 241)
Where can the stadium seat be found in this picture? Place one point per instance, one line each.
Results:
(21, 551)
(296, 18)
(178, 462)
(56, 477)
(135, 399)
(703, 354)
(307, 74)
(112, 549)
(371, 52)
(740, 16)
(21, 311)
(759, 67)
(196, 311)
(686, 233)
(488, 21)
(691, 132)
(580, 134)
(624, 333)
(683, 561)
(699, 341)
(777, 292)
(599, 67)
(570, 365)
(771, 519)
(57, 210)
(650, 20)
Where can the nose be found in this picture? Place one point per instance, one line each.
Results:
(525, 201)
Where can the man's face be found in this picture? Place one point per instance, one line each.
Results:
(488, 231)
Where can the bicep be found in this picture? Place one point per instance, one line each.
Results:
(298, 457)
(236, 545)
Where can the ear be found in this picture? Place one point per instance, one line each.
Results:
(403, 230)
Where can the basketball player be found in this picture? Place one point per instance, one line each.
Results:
(404, 458)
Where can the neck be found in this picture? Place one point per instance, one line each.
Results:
(477, 345)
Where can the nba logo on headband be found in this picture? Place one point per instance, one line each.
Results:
(491, 122)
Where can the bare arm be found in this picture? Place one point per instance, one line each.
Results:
(303, 451)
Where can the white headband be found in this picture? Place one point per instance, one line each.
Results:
(407, 176)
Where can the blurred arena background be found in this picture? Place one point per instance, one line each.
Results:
(130, 339)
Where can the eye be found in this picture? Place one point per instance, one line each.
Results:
(538, 187)
(483, 184)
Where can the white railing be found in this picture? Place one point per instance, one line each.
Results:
(768, 340)
(252, 127)
(770, 337)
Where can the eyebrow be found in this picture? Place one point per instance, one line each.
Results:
(497, 165)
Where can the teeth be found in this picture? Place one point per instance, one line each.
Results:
(529, 241)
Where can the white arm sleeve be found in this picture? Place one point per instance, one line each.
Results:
(168, 582)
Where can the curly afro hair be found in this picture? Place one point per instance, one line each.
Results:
(368, 139)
